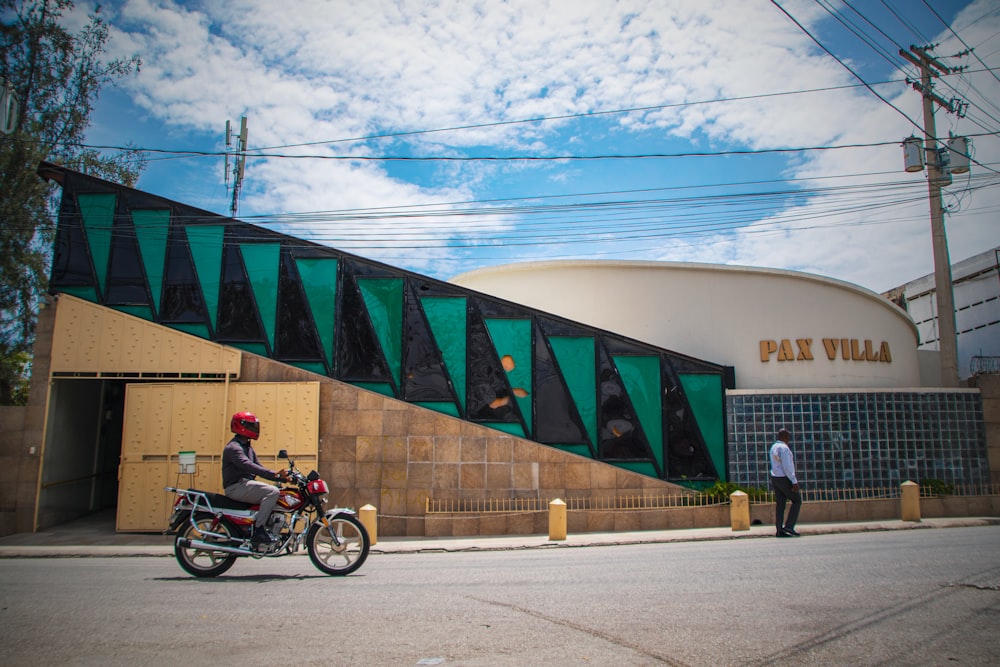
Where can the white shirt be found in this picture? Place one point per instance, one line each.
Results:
(782, 463)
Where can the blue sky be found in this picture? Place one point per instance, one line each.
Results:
(675, 124)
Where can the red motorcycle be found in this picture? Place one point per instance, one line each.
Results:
(213, 530)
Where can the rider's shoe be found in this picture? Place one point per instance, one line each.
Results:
(261, 536)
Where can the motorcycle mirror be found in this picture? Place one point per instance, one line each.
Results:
(282, 454)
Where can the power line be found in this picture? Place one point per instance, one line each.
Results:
(509, 158)
(843, 64)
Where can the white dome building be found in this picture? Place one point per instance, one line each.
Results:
(778, 329)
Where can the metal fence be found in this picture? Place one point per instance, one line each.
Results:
(654, 502)
(980, 365)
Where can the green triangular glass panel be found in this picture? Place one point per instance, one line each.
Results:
(512, 340)
(138, 311)
(98, 213)
(384, 301)
(447, 319)
(262, 261)
(319, 280)
(383, 388)
(637, 466)
(706, 398)
(579, 450)
(439, 406)
(641, 379)
(511, 428)
(205, 243)
(151, 228)
(311, 366)
(575, 356)
(199, 330)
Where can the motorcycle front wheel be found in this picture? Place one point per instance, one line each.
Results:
(338, 548)
(202, 562)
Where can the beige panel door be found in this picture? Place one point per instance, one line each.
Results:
(162, 420)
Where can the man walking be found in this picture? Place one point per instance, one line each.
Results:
(785, 485)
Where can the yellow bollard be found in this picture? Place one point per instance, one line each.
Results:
(909, 501)
(739, 511)
(369, 519)
(557, 520)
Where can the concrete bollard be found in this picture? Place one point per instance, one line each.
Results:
(909, 501)
(368, 515)
(557, 520)
(739, 511)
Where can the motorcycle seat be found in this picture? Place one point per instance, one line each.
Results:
(220, 501)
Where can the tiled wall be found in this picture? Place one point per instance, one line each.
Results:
(861, 439)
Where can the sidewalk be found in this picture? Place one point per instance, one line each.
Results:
(95, 537)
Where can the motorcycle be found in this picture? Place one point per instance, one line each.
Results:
(213, 530)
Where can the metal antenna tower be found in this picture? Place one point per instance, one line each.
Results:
(239, 161)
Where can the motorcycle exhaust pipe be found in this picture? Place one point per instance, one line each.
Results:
(208, 546)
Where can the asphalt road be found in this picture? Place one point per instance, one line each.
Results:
(921, 597)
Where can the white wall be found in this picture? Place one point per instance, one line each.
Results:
(722, 314)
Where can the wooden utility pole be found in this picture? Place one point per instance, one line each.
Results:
(936, 177)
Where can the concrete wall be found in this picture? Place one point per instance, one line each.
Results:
(21, 430)
(989, 386)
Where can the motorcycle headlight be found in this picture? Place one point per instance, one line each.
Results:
(323, 498)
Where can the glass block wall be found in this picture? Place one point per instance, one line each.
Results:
(860, 439)
(437, 345)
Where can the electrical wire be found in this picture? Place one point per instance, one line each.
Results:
(844, 65)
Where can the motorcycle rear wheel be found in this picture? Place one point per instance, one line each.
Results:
(201, 562)
(340, 556)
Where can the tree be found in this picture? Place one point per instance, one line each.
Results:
(56, 77)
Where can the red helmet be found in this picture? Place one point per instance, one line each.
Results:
(245, 424)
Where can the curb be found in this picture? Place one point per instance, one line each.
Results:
(395, 546)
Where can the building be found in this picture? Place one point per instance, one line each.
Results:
(976, 287)
(413, 394)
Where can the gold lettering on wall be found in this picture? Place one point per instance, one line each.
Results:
(849, 349)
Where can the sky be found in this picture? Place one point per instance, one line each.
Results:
(442, 136)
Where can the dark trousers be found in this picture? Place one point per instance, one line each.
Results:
(783, 493)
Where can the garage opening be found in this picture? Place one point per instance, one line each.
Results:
(82, 450)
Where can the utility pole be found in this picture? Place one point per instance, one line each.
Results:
(936, 177)
(239, 162)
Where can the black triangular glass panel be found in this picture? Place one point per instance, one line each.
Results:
(71, 264)
(685, 452)
(126, 279)
(491, 308)
(368, 270)
(622, 437)
(555, 327)
(424, 375)
(359, 355)
(182, 302)
(557, 420)
(239, 320)
(491, 398)
(296, 338)
(426, 287)
(619, 346)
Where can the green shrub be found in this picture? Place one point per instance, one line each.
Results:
(936, 487)
(725, 489)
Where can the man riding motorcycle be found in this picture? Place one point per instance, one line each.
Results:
(239, 468)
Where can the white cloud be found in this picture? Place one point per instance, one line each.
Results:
(308, 71)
